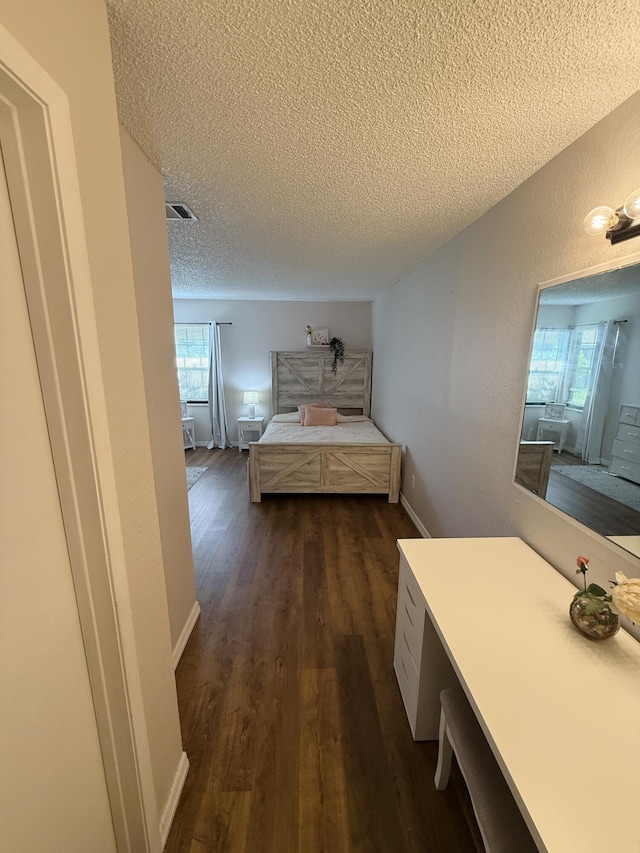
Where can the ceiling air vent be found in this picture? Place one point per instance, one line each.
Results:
(177, 210)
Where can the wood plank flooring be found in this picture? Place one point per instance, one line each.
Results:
(290, 711)
(602, 514)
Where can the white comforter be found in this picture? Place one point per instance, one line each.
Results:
(355, 432)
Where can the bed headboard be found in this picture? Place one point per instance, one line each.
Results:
(306, 377)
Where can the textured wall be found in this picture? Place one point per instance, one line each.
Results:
(452, 346)
(150, 253)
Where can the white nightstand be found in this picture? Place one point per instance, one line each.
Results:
(189, 433)
(246, 426)
(553, 429)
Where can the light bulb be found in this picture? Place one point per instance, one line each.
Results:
(600, 219)
(632, 205)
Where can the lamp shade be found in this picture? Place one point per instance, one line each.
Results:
(250, 399)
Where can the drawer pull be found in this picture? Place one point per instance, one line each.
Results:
(633, 434)
(630, 452)
(409, 615)
(409, 594)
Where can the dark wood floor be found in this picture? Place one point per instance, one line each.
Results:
(290, 711)
(600, 513)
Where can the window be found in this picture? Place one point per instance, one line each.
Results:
(585, 343)
(562, 365)
(192, 360)
(548, 360)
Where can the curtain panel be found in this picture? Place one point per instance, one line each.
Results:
(217, 407)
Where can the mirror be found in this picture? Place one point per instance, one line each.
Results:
(580, 439)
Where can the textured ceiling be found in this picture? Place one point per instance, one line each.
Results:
(328, 146)
(612, 284)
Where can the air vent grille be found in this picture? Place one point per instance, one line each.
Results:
(178, 210)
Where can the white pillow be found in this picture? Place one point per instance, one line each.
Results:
(287, 418)
(345, 419)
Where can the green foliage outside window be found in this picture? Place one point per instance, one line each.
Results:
(192, 361)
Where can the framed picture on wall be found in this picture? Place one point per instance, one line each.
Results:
(320, 338)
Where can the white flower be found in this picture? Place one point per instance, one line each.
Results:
(626, 596)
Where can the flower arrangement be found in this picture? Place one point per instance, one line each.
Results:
(589, 610)
(595, 612)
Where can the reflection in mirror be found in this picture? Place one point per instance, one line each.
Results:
(580, 439)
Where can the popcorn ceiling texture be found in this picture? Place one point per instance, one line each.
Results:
(327, 146)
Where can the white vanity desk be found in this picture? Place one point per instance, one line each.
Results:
(561, 713)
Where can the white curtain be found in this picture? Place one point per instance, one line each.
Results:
(217, 408)
(597, 402)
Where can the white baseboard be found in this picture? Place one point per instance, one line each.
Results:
(169, 810)
(183, 639)
(412, 515)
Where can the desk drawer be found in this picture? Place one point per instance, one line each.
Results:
(409, 645)
(409, 592)
(629, 470)
(410, 628)
(408, 684)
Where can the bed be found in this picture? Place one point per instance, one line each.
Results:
(353, 457)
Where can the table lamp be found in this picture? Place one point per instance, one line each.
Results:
(250, 399)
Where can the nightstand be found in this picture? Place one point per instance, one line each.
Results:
(249, 429)
(189, 433)
(553, 429)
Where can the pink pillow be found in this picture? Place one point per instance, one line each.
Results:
(320, 416)
(302, 408)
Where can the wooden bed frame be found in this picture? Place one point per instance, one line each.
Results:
(306, 377)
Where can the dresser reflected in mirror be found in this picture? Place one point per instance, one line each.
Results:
(580, 439)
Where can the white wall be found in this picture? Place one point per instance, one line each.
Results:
(150, 252)
(258, 328)
(451, 343)
(70, 40)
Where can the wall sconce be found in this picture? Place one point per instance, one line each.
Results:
(617, 225)
(250, 399)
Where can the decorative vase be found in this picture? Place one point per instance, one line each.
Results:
(592, 617)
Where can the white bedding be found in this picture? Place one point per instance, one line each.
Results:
(354, 432)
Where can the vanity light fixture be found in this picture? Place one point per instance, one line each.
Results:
(617, 225)
(250, 399)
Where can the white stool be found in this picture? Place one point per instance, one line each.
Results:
(499, 819)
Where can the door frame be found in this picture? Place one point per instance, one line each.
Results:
(40, 164)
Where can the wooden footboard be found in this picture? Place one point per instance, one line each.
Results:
(324, 469)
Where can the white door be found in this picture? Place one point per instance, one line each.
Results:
(53, 795)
